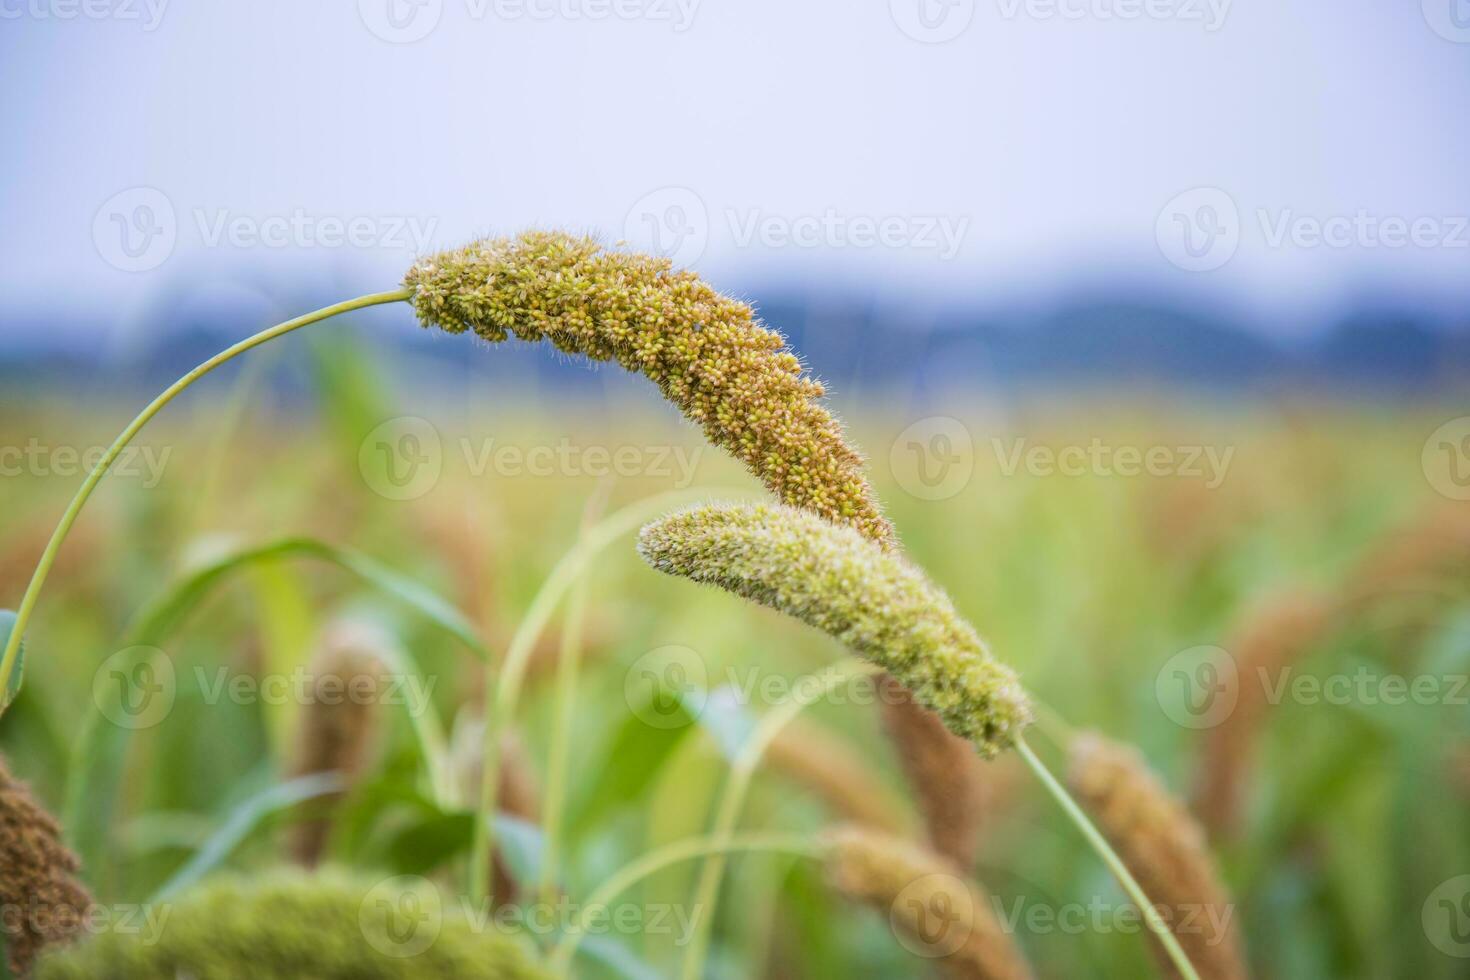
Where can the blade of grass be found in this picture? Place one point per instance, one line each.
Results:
(568, 665)
(98, 759)
(653, 862)
(1109, 857)
(244, 819)
(737, 786)
(503, 690)
(74, 509)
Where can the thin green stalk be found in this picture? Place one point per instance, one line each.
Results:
(664, 857)
(48, 557)
(568, 666)
(559, 753)
(732, 801)
(1110, 857)
(502, 691)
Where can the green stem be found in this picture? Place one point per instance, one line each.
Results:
(1110, 857)
(502, 691)
(559, 753)
(48, 557)
(737, 785)
(664, 857)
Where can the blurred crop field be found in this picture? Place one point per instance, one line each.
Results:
(252, 525)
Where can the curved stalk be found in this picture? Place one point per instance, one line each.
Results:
(503, 690)
(1110, 857)
(558, 756)
(737, 784)
(667, 856)
(63, 528)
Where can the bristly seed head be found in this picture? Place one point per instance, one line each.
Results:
(872, 600)
(42, 904)
(706, 352)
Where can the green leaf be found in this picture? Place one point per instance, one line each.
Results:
(98, 762)
(431, 843)
(12, 686)
(632, 761)
(165, 613)
(288, 627)
(242, 821)
(522, 845)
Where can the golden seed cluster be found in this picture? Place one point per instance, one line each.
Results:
(870, 599)
(707, 353)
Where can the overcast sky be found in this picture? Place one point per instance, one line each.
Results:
(1285, 156)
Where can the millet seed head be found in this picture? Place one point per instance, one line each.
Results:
(882, 607)
(41, 901)
(918, 889)
(1165, 848)
(289, 925)
(707, 353)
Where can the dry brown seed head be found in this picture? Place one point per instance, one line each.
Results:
(41, 901)
(1165, 850)
(339, 725)
(936, 911)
